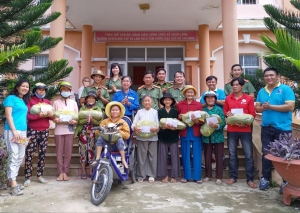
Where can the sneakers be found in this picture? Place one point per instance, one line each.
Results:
(264, 184)
(282, 186)
(20, 187)
(16, 191)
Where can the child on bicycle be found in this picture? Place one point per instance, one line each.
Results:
(147, 147)
(114, 111)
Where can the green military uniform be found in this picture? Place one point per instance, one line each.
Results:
(176, 93)
(110, 82)
(154, 92)
(248, 88)
(104, 94)
(165, 85)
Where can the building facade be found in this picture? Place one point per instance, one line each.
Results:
(200, 38)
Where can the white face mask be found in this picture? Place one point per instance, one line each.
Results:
(65, 94)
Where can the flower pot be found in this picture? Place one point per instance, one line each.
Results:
(288, 170)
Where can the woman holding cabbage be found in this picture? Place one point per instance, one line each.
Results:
(146, 124)
(90, 115)
(39, 113)
(191, 136)
(214, 141)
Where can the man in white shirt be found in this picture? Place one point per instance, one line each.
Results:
(85, 82)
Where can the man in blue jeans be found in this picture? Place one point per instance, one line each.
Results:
(236, 102)
(276, 102)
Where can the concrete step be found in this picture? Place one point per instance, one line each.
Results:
(51, 158)
(51, 140)
(51, 148)
(51, 170)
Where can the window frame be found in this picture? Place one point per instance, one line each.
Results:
(250, 67)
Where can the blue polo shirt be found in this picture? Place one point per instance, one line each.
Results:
(133, 99)
(220, 96)
(19, 112)
(279, 96)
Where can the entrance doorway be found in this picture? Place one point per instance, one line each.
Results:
(137, 70)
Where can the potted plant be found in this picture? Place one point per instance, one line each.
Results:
(3, 163)
(285, 156)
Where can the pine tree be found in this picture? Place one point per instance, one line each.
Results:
(21, 38)
(285, 51)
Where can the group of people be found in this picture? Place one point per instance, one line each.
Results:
(152, 102)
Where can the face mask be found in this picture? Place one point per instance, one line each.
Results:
(39, 96)
(65, 94)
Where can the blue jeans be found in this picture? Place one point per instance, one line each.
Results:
(120, 145)
(233, 141)
(268, 134)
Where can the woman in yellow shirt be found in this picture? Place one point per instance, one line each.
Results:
(115, 111)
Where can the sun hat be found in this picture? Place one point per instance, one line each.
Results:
(91, 93)
(113, 103)
(64, 84)
(39, 85)
(167, 95)
(98, 72)
(187, 87)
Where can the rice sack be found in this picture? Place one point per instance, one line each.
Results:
(37, 108)
(95, 114)
(58, 114)
(186, 117)
(206, 130)
(240, 119)
(146, 123)
(180, 125)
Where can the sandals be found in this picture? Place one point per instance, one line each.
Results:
(41, 180)
(183, 180)
(230, 181)
(27, 182)
(199, 181)
(206, 179)
(83, 176)
(173, 180)
(151, 179)
(219, 182)
(140, 180)
(165, 180)
(95, 163)
(252, 185)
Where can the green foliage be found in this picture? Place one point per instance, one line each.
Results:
(21, 39)
(284, 52)
(256, 80)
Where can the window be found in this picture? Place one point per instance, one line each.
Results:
(117, 54)
(247, 1)
(174, 53)
(41, 61)
(155, 54)
(136, 54)
(250, 63)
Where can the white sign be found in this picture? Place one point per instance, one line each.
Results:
(237, 111)
(213, 120)
(197, 114)
(172, 122)
(145, 129)
(65, 118)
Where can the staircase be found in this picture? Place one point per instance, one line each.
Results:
(75, 167)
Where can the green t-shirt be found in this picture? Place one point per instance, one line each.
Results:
(248, 88)
(104, 94)
(110, 82)
(154, 92)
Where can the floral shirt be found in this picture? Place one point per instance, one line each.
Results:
(217, 136)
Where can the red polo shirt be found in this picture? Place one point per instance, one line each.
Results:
(246, 103)
(182, 108)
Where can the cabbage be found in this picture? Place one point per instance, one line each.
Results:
(114, 137)
(240, 119)
(186, 118)
(95, 114)
(146, 135)
(207, 130)
(36, 108)
(180, 125)
(66, 112)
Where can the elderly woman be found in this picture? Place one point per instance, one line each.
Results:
(190, 136)
(38, 132)
(15, 130)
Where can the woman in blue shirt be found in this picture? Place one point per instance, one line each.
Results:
(15, 130)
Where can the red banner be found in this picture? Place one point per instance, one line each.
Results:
(145, 36)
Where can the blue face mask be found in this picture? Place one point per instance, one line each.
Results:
(39, 96)
(65, 94)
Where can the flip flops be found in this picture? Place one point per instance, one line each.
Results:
(230, 181)
(27, 182)
(151, 179)
(83, 176)
(41, 180)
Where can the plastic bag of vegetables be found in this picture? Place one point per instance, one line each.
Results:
(95, 114)
(186, 118)
(61, 113)
(244, 119)
(37, 108)
(110, 136)
(206, 130)
(146, 123)
(180, 125)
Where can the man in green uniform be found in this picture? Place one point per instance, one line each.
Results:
(161, 76)
(177, 88)
(101, 91)
(236, 72)
(150, 89)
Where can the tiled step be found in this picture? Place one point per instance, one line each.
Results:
(52, 141)
(51, 158)
(51, 148)
(51, 170)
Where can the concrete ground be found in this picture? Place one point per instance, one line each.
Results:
(74, 196)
